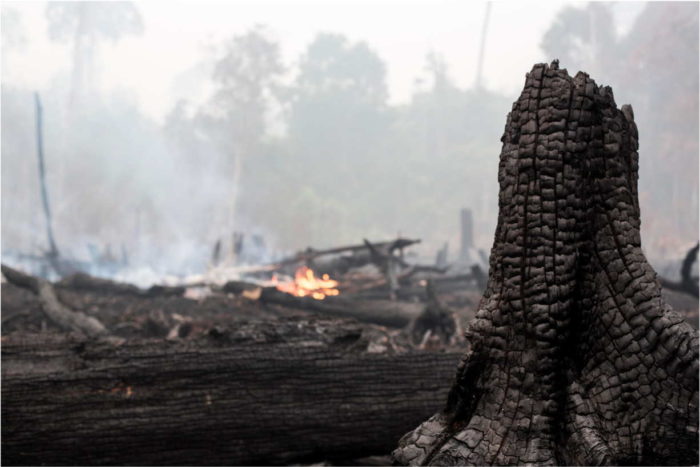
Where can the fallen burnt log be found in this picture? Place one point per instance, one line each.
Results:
(416, 289)
(573, 358)
(383, 312)
(81, 281)
(86, 282)
(266, 393)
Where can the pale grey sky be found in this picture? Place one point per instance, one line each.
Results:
(161, 66)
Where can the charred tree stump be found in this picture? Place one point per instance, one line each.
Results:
(573, 358)
(434, 320)
(264, 393)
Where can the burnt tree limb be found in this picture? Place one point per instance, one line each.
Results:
(59, 314)
(311, 256)
(292, 391)
(688, 283)
(84, 282)
(383, 312)
(574, 357)
(688, 280)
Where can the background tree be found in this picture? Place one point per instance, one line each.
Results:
(655, 65)
(238, 115)
(583, 36)
(334, 176)
(658, 62)
(337, 120)
(445, 135)
(13, 36)
(84, 24)
(338, 101)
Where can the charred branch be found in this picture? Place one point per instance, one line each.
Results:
(59, 314)
(311, 254)
(688, 283)
(383, 312)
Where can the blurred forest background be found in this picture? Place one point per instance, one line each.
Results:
(312, 151)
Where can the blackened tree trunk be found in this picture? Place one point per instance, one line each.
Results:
(574, 358)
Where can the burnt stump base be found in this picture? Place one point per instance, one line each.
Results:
(574, 357)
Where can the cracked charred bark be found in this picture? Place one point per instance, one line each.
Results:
(573, 358)
(262, 393)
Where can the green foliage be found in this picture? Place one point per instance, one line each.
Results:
(246, 77)
(353, 167)
(337, 118)
(338, 101)
(342, 164)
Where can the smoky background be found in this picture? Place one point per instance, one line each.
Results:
(295, 134)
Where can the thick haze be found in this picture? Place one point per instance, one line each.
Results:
(177, 36)
(169, 126)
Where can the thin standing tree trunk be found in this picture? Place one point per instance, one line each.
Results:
(53, 250)
(482, 47)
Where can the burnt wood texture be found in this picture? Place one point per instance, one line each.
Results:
(573, 357)
(262, 393)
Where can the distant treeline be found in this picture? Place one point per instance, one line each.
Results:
(313, 154)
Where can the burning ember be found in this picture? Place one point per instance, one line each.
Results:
(306, 283)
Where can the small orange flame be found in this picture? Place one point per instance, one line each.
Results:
(307, 284)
